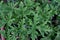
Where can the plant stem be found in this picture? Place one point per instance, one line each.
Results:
(1, 35)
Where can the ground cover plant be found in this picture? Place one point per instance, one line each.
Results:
(30, 19)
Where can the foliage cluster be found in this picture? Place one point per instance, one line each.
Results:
(30, 19)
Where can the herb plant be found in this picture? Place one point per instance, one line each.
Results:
(30, 19)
